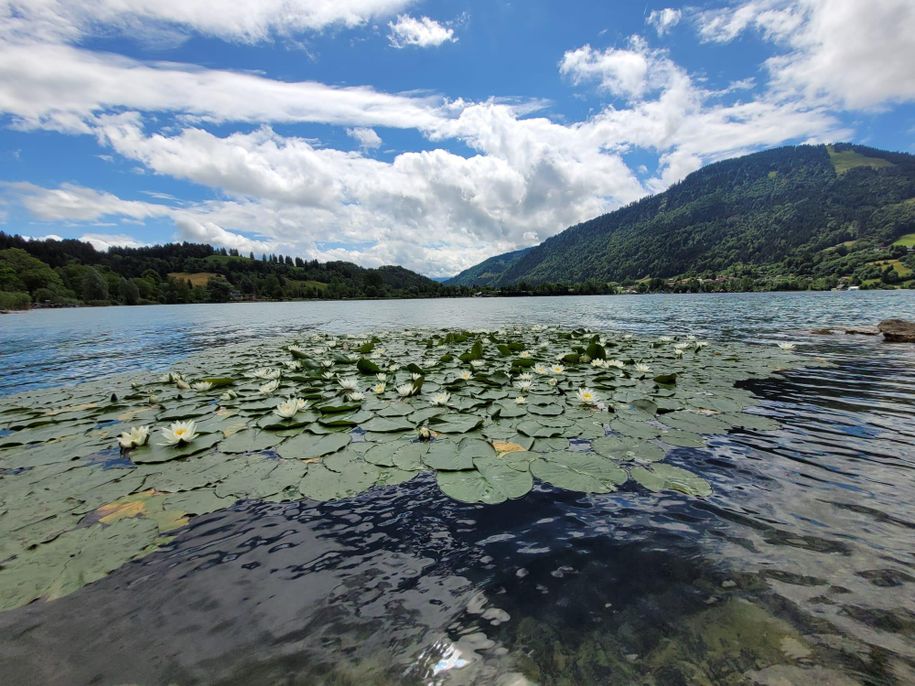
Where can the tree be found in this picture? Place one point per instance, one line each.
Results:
(94, 287)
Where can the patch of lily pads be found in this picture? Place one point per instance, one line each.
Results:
(95, 475)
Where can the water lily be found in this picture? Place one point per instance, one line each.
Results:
(642, 367)
(349, 384)
(586, 396)
(328, 375)
(553, 382)
(302, 404)
(465, 375)
(526, 376)
(179, 432)
(524, 354)
(356, 396)
(787, 346)
(415, 376)
(425, 433)
(618, 364)
(393, 367)
(382, 377)
(540, 369)
(405, 390)
(134, 437)
(378, 388)
(665, 339)
(266, 373)
(477, 364)
(441, 399)
(269, 387)
(557, 369)
(182, 384)
(287, 409)
(520, 400)
(327, 363)
(523, 385)
(597, 363)
(228, 395)
(202, 386)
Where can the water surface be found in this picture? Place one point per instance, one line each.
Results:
(797, 570)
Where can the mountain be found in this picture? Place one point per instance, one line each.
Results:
(488, 271)
(71, 272)
(798, 210)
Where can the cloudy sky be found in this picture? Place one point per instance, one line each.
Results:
(431, 134)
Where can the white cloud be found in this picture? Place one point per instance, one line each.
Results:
(664, 20)
(247, 22)
(629, 73)
(104, 241)
(855, 54)
(421, 32)
(60, 87)
(366, 137)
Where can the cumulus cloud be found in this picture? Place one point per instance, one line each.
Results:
(366, 137)
(856, 54)
(420, 32)
(664, 20)
(629, 72)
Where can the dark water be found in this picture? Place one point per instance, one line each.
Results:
(798, 570)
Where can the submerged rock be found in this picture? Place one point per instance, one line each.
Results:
(863, 331)
(897, 331)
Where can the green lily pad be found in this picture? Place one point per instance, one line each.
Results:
(576, 471)
(306, 446)
(665, 477)
(491, 482)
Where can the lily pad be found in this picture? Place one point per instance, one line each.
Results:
(577, 471)
(665, 477)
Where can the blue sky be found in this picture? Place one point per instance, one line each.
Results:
(431, 134)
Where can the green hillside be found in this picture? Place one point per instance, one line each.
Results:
(70, 272)
(824, 214)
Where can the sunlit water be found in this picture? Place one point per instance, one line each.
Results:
(799, 569)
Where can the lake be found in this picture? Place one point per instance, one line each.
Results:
(796, 570)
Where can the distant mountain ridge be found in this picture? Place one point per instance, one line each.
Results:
(779, 206)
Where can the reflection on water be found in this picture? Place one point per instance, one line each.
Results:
(798, 569)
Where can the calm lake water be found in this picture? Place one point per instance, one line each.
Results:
(798, 570)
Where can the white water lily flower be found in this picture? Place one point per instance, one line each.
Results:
(524, 354)
(228, 395)
(787, 346)
(327, 364)
(356, 396)
(526, 376)
(378, 388)
(393, 367)
(329, 375)
(302, 404)
(425, 433)
(681, 346)
(642, 367)
(586, 396)
(287, 409)
(349, 384)
(266, 373)
(553, 381)
(134, 437)
(540, 369)
(557, 369)
(523, 385)
(269, 387)
(477, 364)
(179, 432)
(520, 400)
(415, 376)
(405, 390)
(665, 339)
(382, 377)
(618, 364)
(597, 363)
(441, 399)
(202, 386)
(182, 384)
(701, 344)
(465, 375)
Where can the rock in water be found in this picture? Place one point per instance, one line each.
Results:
(897, 331)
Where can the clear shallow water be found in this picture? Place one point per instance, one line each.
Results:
(799, 567)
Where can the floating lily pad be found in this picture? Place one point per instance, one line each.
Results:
(577, 471)
(306, 446)
(491, 481)
(665, 477)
